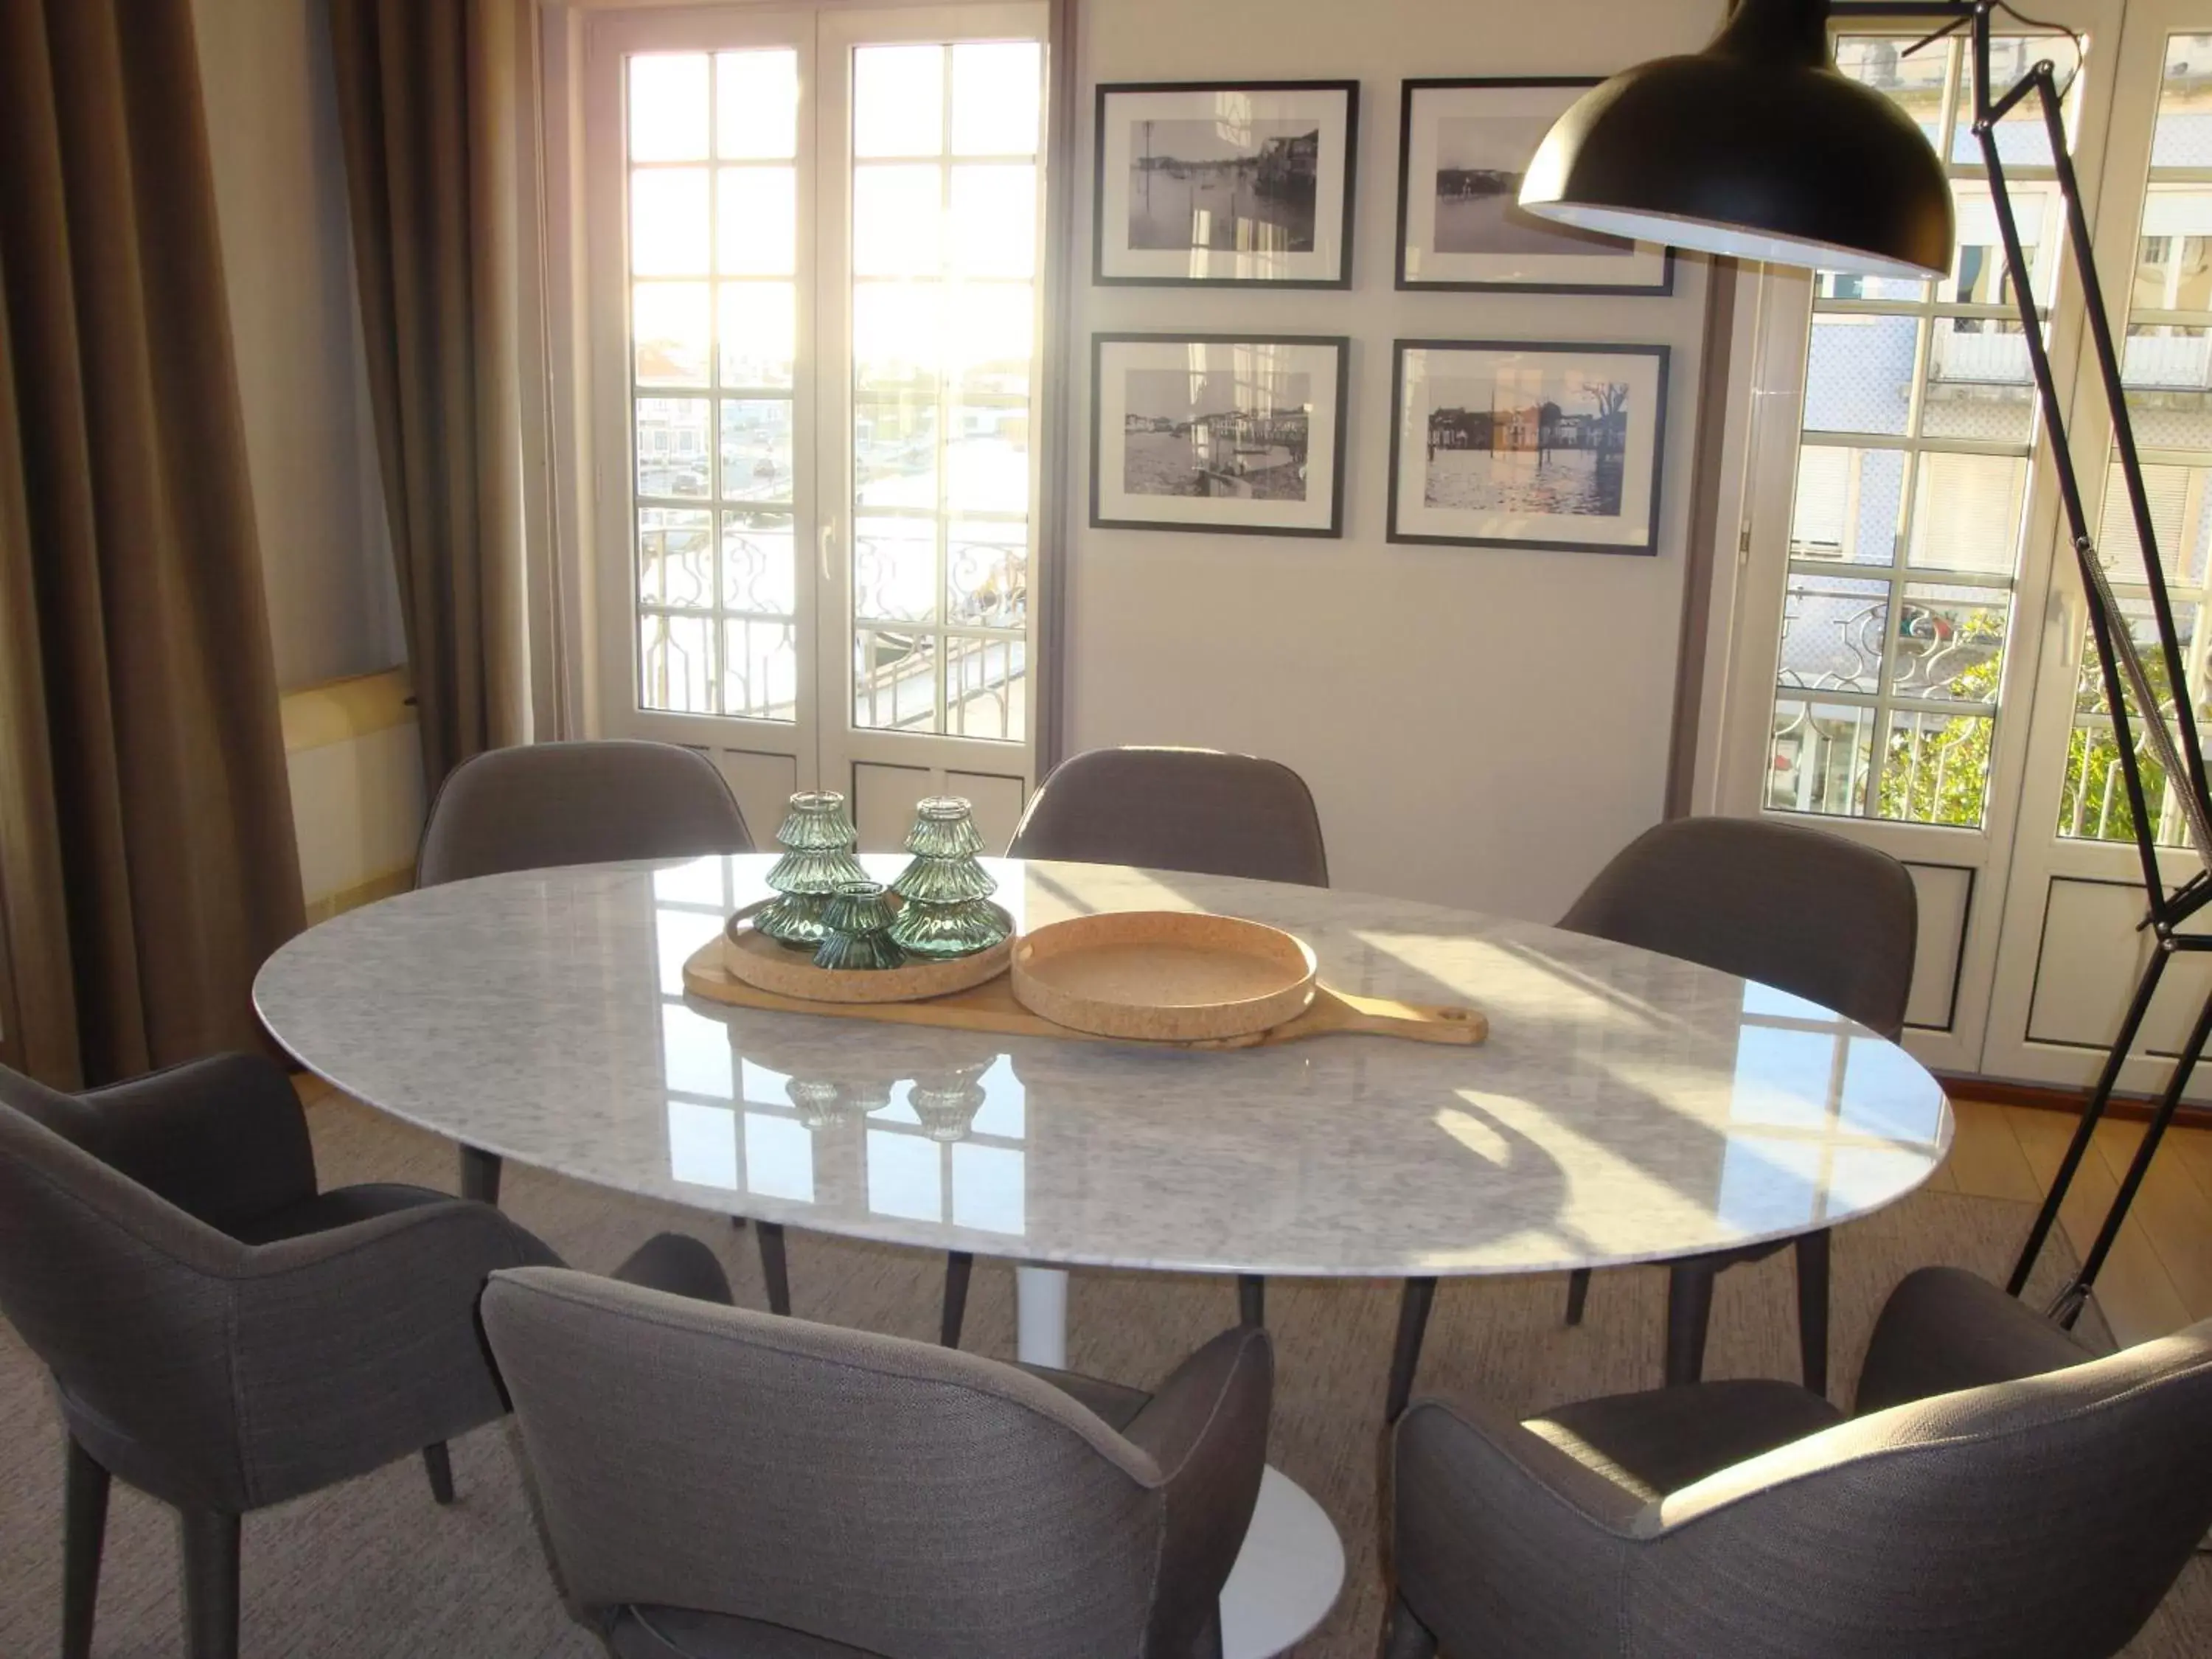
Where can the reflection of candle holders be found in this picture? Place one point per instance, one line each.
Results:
(820, 1104)
(946, 1102)
(818, 840)
(857, 925)
(948, 912)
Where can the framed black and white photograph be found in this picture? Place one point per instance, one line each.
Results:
(1217, 432)
(1243, 183)
(1462, 149)
(1507, 443)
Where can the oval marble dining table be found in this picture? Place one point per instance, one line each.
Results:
(1627, 1107)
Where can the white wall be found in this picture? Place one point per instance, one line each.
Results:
(288, 260)
(1480, 726)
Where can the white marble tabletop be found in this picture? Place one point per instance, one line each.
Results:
(1626, 1106)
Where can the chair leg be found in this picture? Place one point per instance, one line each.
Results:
(770, 1236)
(1404, 1636)
(1813, 1309)
(84, 1533)
(959, 1265)
(1689, 1311)
(1414, 1305)
(1578, 1294)
(480, 1176)
(438, 1463)
(210, 1540)
(1251, 1300)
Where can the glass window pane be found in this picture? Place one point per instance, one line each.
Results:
(989, 459)
(1831, 635)
(2179, 497)
(676, 664)
(668, 222)
(898, 214)
(897, 335)
(671, 328)
(760, 668)
(1821, 754)
(894, 569)
(987, 575)
(757, 221)
(675, 557)
(997, 92)
(898, 101)
(2022, 139)
(983, 688)
(1966, 513)
(1949, 643)
(2167, 371)
(1849, 504)
(1915, 84)
(1851, 285)
(668, 107)
(895, 452)
(991, 330)
(759, 335)
(1935, 768)
(756, 450)
(2173, 256)
(759, 563)
(2183, 135)
(1858, 376)
(757, 104)
(673, 445)
(894, 679)
(1979, 272)
(994, 221)
(1979, 384)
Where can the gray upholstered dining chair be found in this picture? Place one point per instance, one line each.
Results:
(2000, 1494)
(718, 1484)
(1807, 912)
(542, 804)
(1198, 810)
(221, 1334)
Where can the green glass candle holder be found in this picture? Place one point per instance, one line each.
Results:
(947, 911)
(818, 838)
(858, 922)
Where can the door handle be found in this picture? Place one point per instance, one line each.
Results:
(821, 554)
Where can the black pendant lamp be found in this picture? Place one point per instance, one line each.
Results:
(1756, 147)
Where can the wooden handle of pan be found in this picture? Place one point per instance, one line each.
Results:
(1341, 1010)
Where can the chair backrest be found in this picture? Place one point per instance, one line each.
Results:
(1195, 810)
(549, 804)
(1807, 912)
(122, 1295)
(2044, 1517)
(902, 1498)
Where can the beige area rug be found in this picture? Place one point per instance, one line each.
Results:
(374, 1569)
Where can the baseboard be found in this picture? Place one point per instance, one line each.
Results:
(361, 893)
(2045, 1097)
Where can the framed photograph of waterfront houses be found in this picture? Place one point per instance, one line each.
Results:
(1512, 443)
(1462, 149)
(1236, 433)
(1233, 183)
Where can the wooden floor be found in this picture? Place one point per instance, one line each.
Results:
(2159, 1276)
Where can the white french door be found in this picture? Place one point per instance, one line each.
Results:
(813, 294)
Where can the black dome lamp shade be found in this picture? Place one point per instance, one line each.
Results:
(1756, 147)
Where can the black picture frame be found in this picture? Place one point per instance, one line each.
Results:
(1338, 345)
(1395, 530)
(1100, 246)
(1409, 93)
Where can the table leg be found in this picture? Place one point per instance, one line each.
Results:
(1287, 1576)
(1041, 1316)
(480, 1176)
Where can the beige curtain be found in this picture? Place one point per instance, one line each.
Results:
(147, 862)
(434, 101)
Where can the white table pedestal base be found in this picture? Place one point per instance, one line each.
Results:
(1289, 1573)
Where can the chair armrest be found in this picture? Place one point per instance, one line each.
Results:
(222, 1138)
(361, 1344)
(1503, 1542)
(1944, 1329)
(1206, 1428)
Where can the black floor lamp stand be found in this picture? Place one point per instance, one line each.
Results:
(2170, 734)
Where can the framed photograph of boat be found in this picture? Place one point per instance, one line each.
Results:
(1234, 433)
(1462, 149)
(1513, 443)
(1233, 183)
